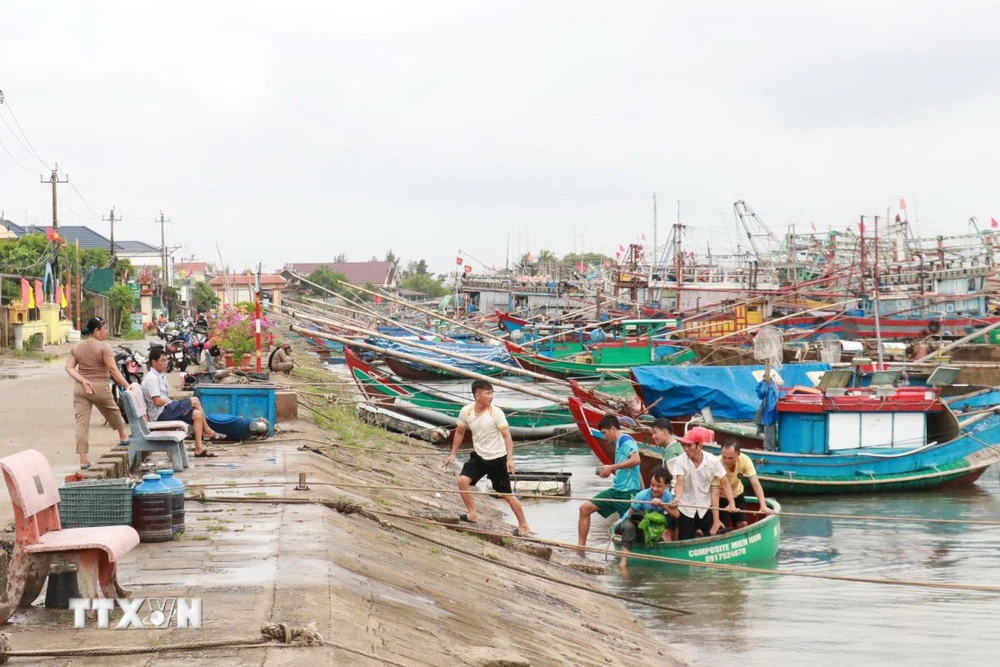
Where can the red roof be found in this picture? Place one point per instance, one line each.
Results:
(243, 279)
(358, 273)
(191, 267)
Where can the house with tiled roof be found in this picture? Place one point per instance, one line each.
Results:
(137, 252)
(380, 274)
(234, 288)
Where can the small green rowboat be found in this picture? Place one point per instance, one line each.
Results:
(758, 541)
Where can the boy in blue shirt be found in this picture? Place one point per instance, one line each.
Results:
(627, 482)
(656, 498)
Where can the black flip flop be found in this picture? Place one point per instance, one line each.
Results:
(517, 533)
(465, 519)
(205, 454)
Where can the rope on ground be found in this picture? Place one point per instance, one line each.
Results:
(272, 635)
(532, 496)
(716, 566)
(351, 507)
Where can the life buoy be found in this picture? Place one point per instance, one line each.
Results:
(934, 326)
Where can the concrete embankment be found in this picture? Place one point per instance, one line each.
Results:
(367, 586)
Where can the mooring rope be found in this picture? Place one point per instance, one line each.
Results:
(351, 507)
(718, 566)
(345, 506)
(535, 496)
(272, 635)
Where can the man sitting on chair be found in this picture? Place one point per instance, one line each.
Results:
(161, 408)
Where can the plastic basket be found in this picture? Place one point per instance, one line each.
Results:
(99, 502)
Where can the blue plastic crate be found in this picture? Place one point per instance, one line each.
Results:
(244, 400)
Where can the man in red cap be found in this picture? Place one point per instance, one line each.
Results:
(695, 471)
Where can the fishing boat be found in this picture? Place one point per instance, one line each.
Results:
(757, 541)
(615, 357)
(409, 370)
(840, 439)
(528, 422)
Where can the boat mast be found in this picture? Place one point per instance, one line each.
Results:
(878, 329)
(678, 257)
(651, 296)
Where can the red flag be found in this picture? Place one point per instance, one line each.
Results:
(993, 223)
(618, 255)
(861, 226)
(579, 267)
(458, 261)
(621, 248)
(607, 264)
(468, 268)
(493, 268)
(813, 225)
(902, 204)
(644, 236)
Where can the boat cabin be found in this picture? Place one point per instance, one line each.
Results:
(836, 417)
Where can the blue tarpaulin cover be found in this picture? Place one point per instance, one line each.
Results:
(730, 391)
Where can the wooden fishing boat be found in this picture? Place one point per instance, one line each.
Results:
(757, 541)
(617, 358)
(850, 440)
(408, 370)
(531, 422)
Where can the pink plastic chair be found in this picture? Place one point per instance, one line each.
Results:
(40, 541)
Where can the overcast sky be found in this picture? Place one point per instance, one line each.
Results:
(292, 132)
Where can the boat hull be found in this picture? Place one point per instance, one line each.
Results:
(756, 542)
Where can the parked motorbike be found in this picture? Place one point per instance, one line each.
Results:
(131, 365)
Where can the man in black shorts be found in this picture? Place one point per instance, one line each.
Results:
(492, 455)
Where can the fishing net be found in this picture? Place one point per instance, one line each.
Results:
(767, 346)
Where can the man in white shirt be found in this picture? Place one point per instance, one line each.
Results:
(695, 472)
(160, 407)
(492, 455)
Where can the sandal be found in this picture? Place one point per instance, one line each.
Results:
(84, 466)
(205, 454)
(465, 518)
(517, 533)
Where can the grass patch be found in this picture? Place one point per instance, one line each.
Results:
(434, 551)
(217, 528)
(199, 538)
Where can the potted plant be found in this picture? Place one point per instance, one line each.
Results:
(233, 332)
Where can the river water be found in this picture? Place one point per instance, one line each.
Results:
(754, 619)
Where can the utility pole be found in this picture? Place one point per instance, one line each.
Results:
(54, 180)
(111, 219)
(165, 282)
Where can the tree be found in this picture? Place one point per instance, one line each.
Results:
(390, 257)
(172, 300)
(340, 258)
(424, 284)
(205, 297)
(418, 268)
(122, 300)
(335, 281)
(124, 270)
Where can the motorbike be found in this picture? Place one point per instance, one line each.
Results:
(131, 365)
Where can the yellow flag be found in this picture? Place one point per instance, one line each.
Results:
(62, 297)
(31, 298)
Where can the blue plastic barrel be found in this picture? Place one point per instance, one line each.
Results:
(152, 510)
(176, 487)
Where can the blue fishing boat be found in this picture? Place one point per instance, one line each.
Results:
(836, 438)
(409, 370)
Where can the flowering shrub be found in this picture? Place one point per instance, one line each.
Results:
(234, 331)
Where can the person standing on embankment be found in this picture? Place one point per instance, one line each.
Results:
(90, 363)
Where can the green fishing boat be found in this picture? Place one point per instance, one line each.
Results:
(614, 359)
(537, 420)
(757, 541)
